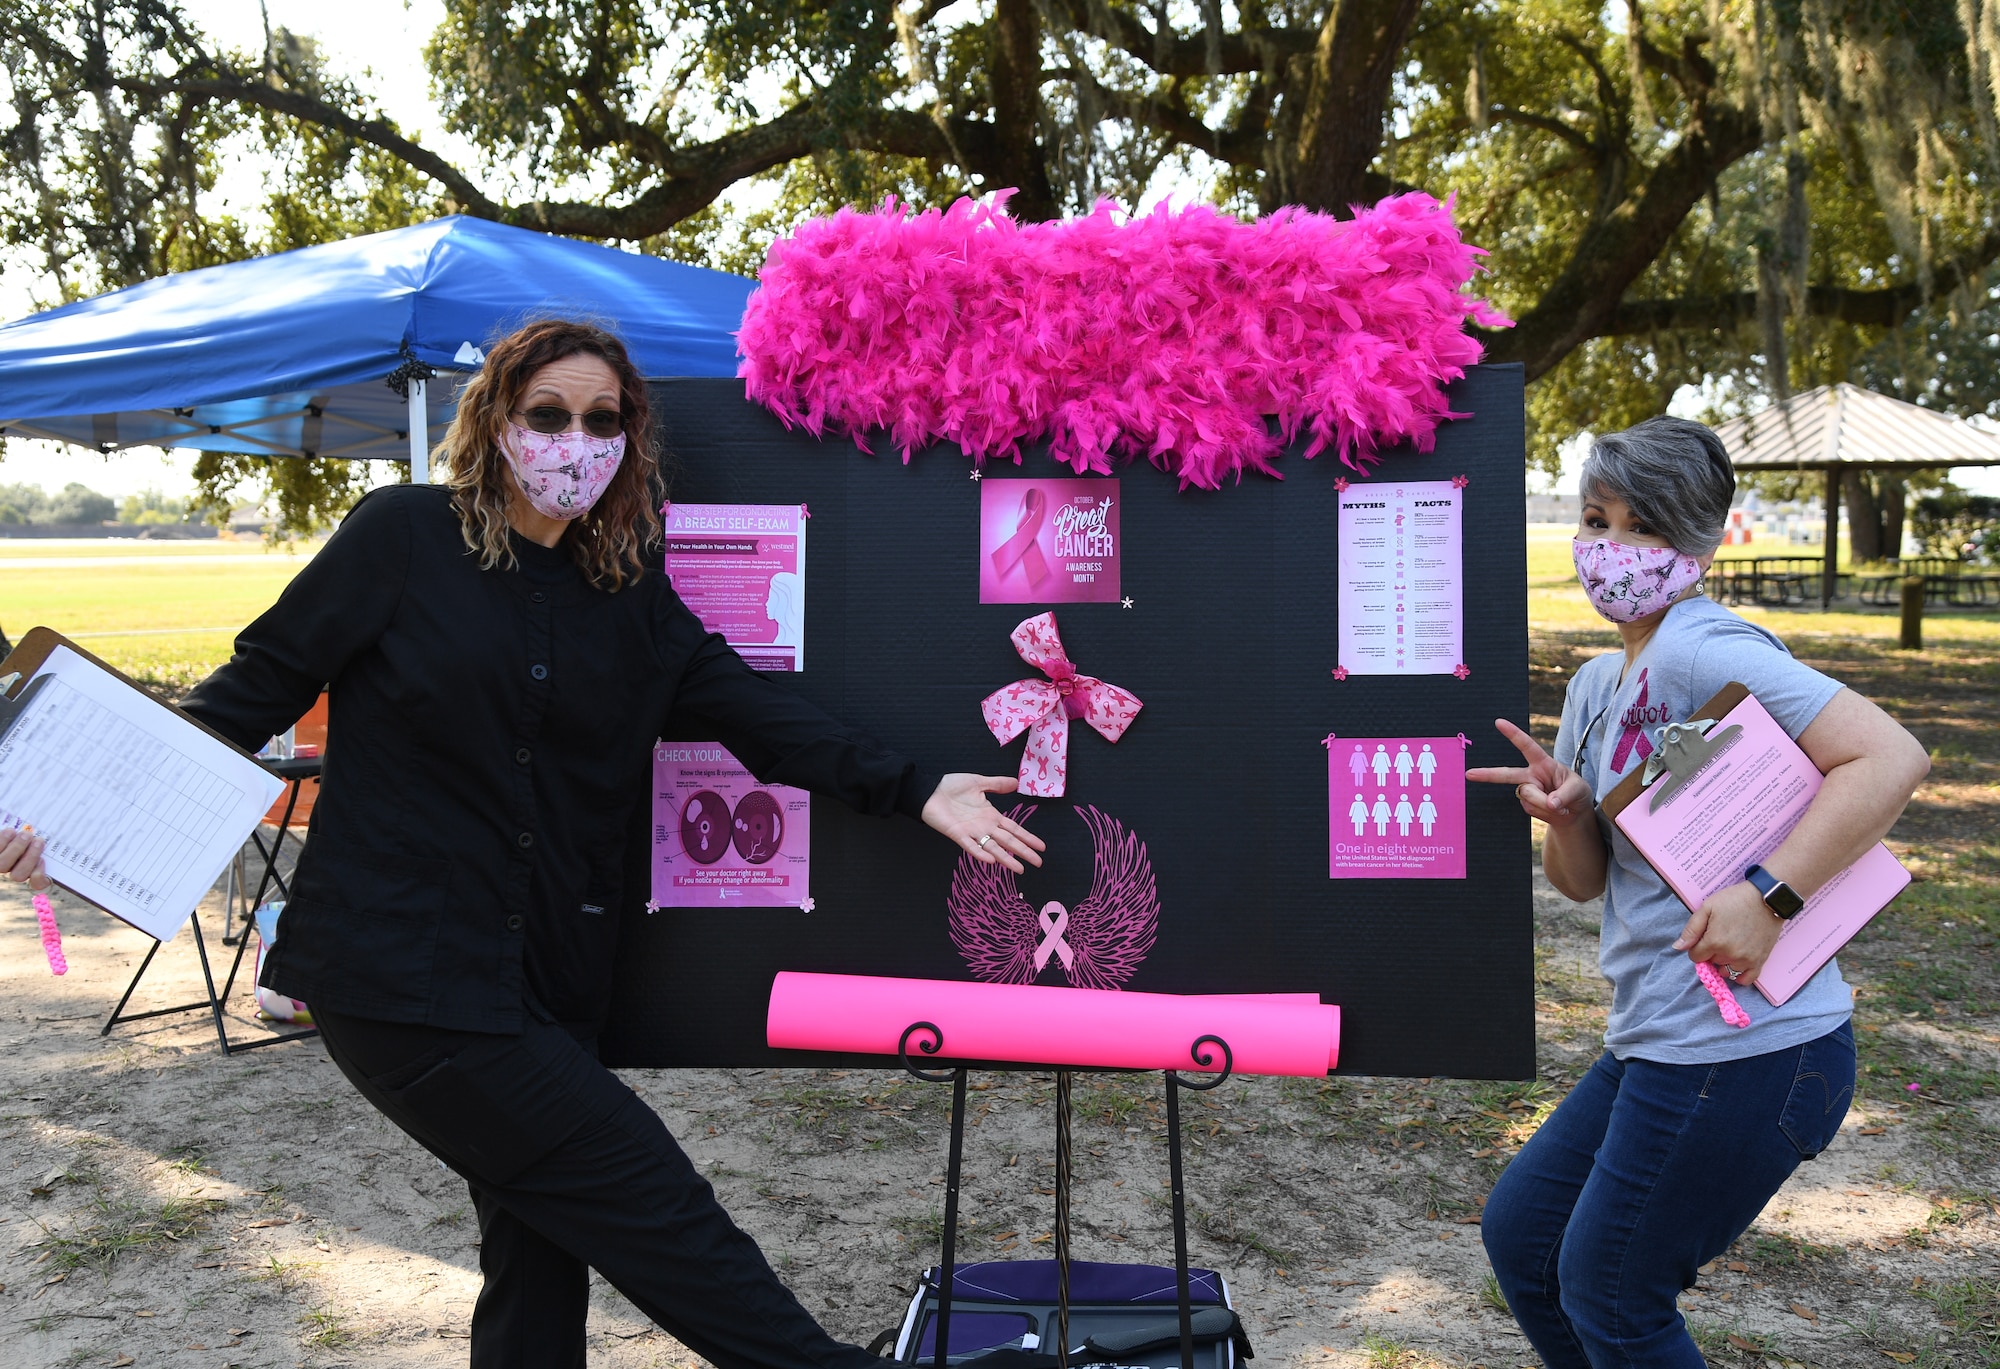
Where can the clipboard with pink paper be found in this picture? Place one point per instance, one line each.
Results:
(1704, 829)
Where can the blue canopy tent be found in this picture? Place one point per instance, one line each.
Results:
(288, 355)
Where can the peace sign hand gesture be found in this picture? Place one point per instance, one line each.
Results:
(1547, 790)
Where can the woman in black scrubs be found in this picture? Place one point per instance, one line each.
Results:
(501, 655)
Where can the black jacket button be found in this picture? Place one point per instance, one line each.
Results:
(514, 923)
(538, 596)
(521, 756)
(526, 839)
(540, 672)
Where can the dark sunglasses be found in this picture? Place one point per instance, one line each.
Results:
(547, 418)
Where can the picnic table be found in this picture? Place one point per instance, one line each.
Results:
(1772, 580)
(1948, 583)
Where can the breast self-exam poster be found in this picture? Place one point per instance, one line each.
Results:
(741, 569)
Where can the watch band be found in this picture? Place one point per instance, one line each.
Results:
(1781, 898)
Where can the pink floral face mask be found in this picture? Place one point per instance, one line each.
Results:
(562, 474)
(1625, 583)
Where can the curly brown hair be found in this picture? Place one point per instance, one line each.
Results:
(609, 542)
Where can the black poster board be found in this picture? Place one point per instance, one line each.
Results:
(1230, 642)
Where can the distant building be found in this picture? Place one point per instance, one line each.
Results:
(1555, 508)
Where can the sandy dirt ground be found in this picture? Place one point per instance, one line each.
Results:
(163, 1205)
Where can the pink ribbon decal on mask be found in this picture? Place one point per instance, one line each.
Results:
(1021, 549)
(1634, 736)
(1043, 708)
(1052, 942)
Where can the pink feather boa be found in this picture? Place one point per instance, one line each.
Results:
(1172, 334)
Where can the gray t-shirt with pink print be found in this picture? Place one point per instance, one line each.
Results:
(1659, 1010)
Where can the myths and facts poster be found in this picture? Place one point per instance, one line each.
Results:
(1402, 577)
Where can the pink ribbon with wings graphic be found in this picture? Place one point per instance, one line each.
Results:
(1098, 942)
(1043, 708)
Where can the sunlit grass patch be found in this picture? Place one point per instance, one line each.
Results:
(1971, 1307)
(112, 1227)
(323, 1328)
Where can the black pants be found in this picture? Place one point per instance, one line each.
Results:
(571, 1171)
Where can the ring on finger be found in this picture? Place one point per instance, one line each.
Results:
(1733, 973)
(983, 840)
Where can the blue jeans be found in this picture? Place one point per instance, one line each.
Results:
(1644, 1174)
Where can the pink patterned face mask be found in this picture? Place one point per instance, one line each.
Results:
(562, 474)
(1625, 583)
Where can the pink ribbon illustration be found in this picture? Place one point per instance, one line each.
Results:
(1052, 942)
(1021, 549)
(1043, 708)
(1634, 735)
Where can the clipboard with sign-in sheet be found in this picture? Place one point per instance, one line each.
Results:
(141, 806)
(1721, 794)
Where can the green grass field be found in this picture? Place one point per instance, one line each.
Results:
(164, 612)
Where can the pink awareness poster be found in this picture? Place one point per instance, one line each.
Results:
(722, 839)
(740, 568)
(1402, 578)
(1052, 541)
(1395, 807)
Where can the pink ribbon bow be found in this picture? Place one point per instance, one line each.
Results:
(1043, 708)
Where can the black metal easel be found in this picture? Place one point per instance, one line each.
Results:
(295, 772)
(931, 1043)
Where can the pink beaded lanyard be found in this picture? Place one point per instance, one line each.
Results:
(45, 914)
(1718, 989)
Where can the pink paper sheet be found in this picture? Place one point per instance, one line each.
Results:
(1395, 807)
(1048, 541)
(1293, 1034)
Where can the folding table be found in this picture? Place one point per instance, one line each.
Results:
(295, 772)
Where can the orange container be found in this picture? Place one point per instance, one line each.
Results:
(308, 731)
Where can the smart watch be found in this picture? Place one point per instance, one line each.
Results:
(1781, 898)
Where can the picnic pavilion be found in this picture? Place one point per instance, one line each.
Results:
(1839, 428)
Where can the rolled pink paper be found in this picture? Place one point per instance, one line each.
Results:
(1291, 1034)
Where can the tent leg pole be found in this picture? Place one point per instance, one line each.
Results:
(420, 435)
(1831, 577)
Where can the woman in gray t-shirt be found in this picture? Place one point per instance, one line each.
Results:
(1675, 1139)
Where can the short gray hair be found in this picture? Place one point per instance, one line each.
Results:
(1673, 474)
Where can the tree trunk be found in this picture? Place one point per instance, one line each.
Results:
(1891, 500)
(1864, 519)
(1340, 130)
(1016, 74)
(1617, 247)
